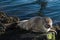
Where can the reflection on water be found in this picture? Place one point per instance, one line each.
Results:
(22, 8)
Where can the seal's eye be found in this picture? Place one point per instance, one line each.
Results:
(48, 26)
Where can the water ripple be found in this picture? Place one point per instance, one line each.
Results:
(26, 8)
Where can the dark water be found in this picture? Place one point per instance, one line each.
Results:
(25, 8)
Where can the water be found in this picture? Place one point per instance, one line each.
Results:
(53, 9)
(25, 9)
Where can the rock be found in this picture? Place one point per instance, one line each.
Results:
(2, 29)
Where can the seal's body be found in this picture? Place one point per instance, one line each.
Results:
(36, 24)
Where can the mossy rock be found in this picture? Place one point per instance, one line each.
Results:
(51, 36)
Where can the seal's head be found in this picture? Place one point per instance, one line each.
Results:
(48, 23)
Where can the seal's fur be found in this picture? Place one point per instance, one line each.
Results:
(36, 24)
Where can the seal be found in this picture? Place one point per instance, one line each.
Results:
(36, 24)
